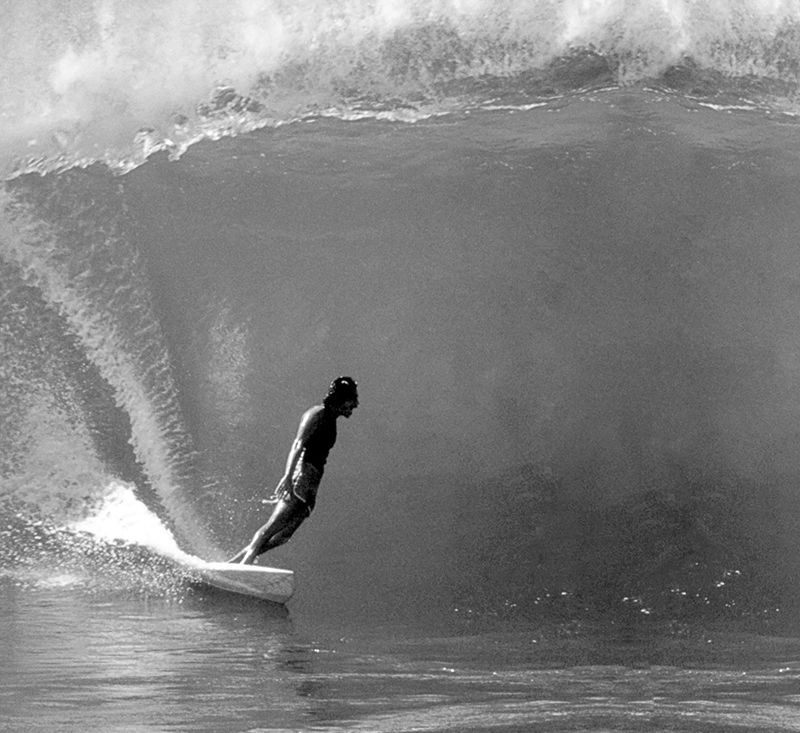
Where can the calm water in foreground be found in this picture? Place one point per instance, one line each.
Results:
(75, 660)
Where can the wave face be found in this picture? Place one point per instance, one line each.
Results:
(569, 292)
(107, 81)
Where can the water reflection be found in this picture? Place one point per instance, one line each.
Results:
(209, 661)
(202, 662)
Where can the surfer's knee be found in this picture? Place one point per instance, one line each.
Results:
(282, 536)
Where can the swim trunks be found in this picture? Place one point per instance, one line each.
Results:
(304, 485)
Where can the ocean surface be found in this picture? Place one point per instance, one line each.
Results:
(557, 243)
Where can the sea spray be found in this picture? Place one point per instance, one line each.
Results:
(111, 316)
(120, 516)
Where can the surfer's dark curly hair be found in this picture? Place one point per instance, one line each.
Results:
(341, 390)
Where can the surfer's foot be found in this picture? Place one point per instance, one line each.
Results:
(245, 557)
(238, 557)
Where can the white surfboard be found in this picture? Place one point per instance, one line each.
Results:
(271, 584)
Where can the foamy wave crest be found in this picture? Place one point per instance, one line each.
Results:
(114, 81)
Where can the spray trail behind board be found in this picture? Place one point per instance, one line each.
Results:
(89, 397)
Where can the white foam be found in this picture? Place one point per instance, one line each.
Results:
(79, 83)
(63, 580)
(123, 517)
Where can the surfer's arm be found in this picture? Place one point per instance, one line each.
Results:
(308, 424)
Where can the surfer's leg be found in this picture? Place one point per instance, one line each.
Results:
(248, 554)
(265, 541)
(286, 518)
(281, 530)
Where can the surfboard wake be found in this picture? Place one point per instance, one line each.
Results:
(123, 517)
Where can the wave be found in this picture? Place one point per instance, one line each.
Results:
(103, 80)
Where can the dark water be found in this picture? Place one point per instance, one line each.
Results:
(557, 247)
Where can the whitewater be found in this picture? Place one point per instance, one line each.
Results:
(101, 81)
(555, 242)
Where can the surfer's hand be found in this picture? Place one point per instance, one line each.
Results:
(284, 485)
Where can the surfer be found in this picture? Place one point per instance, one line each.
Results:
(296, 493)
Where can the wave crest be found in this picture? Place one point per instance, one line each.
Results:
(110, 81)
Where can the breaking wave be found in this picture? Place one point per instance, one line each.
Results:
(104, 80)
